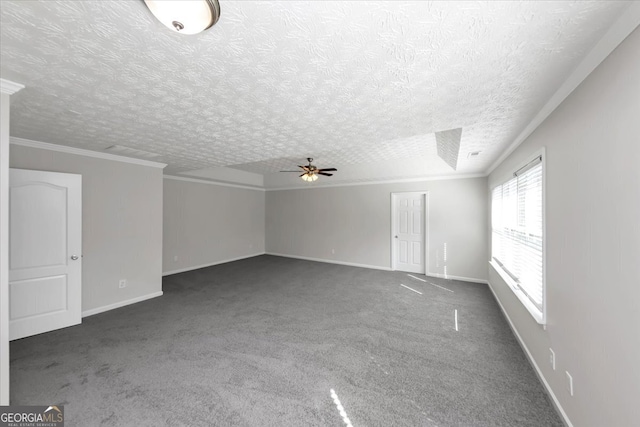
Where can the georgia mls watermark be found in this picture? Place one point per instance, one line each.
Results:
(32, 416)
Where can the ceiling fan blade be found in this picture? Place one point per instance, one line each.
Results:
(328, 170)
(302, 175)
(304, 167)
(325, 174)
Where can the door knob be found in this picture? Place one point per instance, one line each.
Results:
(74, 257)
(396, 236)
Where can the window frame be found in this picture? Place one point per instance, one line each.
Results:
(540, 316)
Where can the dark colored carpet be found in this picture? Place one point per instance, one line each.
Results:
(261, 342)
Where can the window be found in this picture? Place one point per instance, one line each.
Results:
(517, 235)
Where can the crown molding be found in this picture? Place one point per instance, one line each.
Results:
(379, 182)
(311, 187)
(626, 23)
(218, 183)
(8, 87)
(82, 152)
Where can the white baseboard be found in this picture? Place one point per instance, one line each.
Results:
(211, 264)
(461, 278)
(331, 261)
(536, 368)
(120, 304)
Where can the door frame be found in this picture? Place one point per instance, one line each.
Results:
(425, 227)
(7, 88)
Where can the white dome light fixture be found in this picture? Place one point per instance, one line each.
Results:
(185, 16)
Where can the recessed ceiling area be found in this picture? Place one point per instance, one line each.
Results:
(361, 86)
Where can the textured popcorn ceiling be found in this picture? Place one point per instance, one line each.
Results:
(347, 83)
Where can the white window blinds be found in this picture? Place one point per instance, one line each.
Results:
(517, 230)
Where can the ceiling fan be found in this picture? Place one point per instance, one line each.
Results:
(310, 172)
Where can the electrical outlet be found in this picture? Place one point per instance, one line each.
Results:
(122, 283)
(250, 245)
(175, 258)
(333, 251)
(552, 359)
(569, 383)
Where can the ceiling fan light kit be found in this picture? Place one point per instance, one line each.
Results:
(185, 16)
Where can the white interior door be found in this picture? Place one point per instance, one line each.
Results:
(409, 232)
(45, 263)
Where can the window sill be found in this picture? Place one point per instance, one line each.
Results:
(531, 308)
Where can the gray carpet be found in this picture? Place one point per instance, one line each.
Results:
(261, 342)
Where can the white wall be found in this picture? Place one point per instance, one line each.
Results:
(593, 245)
(355, 221)
(121, 224)
(206, 224)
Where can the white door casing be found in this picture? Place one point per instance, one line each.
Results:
(45, 251)
(409, 231)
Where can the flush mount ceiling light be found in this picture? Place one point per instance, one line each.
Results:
(185, 16)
